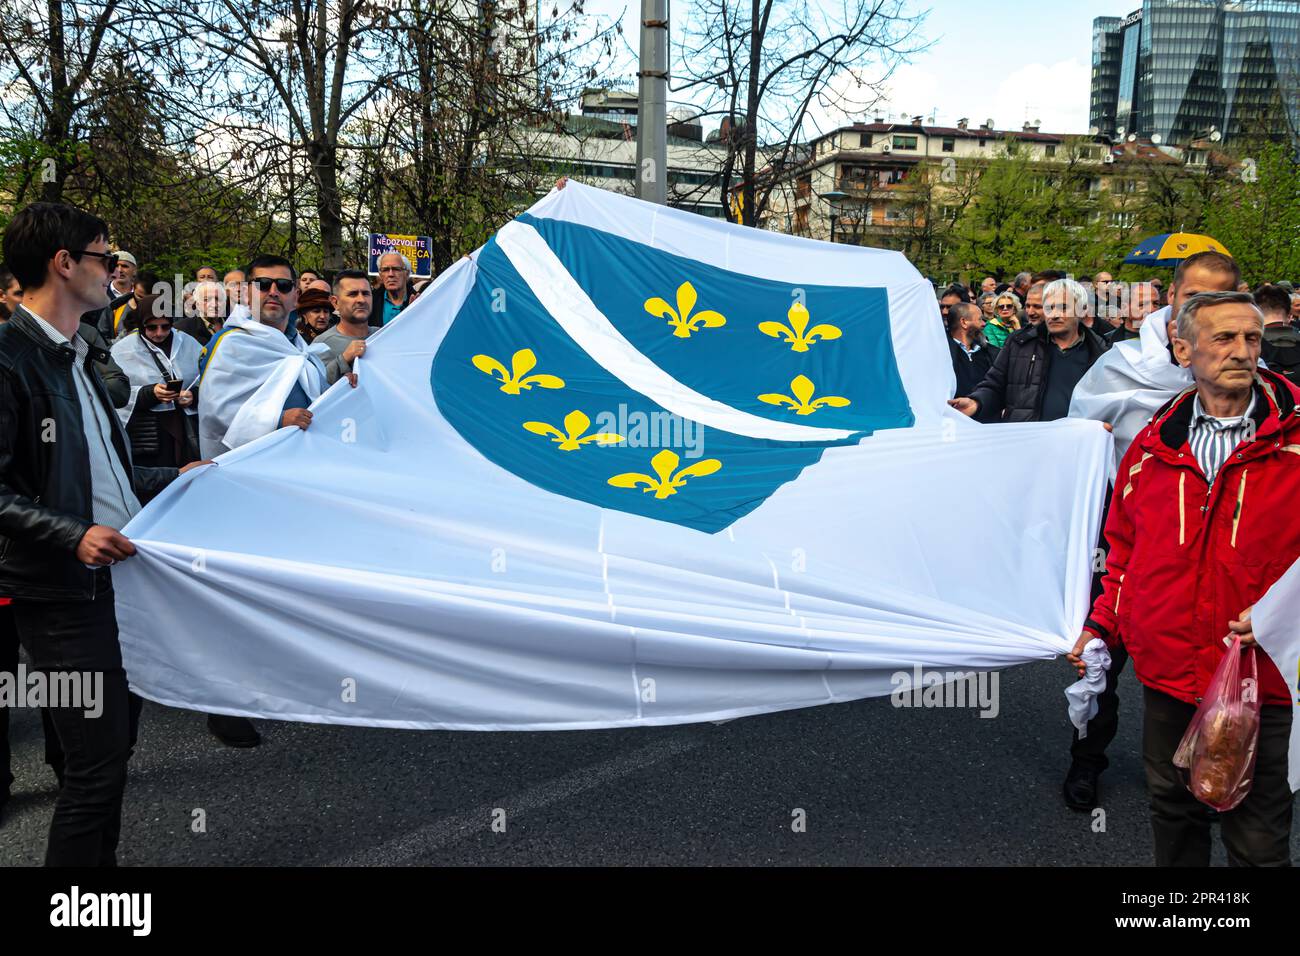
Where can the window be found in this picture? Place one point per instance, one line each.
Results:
(1051, 152)
(949, 144)
(904, 142)
(1124, 220)
(982, 143)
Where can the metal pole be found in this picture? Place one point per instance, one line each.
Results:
(652, 104)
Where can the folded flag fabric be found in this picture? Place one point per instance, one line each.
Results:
(1273, 619)
(1131, 382)
(625, 465)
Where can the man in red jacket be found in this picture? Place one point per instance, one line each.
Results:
(1202, 522)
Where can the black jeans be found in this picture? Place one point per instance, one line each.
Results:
(1090, 752)
(82, 637)
(9, 665)
(1257, 832)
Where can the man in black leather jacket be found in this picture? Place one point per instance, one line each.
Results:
(66, 486)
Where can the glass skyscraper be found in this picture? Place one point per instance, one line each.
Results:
(1176, 68)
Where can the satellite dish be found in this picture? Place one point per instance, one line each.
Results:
(1093, 131)
(989, 122)
(1157, 138)
(1215, 136)
(1119, 130)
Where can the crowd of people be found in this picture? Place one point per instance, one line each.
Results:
(1197, 383)
(138, 386)
(107, 371)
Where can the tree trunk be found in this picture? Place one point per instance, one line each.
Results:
(748, 209)
(329, 209)
(55, 134)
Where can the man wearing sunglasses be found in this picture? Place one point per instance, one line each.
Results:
(67, 484)
(258, 342)
(257, 376)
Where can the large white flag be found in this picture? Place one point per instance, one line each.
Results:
(1276, 622)
(625, 466)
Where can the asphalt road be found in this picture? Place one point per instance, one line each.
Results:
(877, 786)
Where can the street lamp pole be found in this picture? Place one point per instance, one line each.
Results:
(652, 104)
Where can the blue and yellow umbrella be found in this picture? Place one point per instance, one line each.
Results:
(1171, 248)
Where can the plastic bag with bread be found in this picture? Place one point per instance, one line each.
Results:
(1218, 749)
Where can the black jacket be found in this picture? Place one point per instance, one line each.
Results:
(1119, 334)
(970, 369)
(1014, 388)
(115, 380)
(45, 493)
(1281, 351)
(195, 328)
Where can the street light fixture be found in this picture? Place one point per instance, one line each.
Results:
(833, 197)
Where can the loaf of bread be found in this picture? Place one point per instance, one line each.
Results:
(1224, 748)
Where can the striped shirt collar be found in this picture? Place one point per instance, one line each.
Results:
(1212, 440)
(77, 342)
(1199, 416)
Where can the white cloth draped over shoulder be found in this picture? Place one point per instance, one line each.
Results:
(1129, 383)
(251, 370)
(135, 354)
(414, 580)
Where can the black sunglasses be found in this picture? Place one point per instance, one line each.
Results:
(283, 286)
(158, 326)
(110, 258)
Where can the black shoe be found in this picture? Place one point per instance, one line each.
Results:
(4, 798)
(1081, 787)
(234, 731)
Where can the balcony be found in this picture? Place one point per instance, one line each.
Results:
(854, 186)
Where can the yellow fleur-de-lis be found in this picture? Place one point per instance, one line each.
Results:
(666, 479)
(803, 390)
(572, 438)
(794, 332)
(680, 318)
(521, 363)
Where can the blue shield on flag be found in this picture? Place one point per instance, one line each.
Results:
(609, 371)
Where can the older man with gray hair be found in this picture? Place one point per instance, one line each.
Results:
(1038, 367)
(394, 274)
(1201, 524)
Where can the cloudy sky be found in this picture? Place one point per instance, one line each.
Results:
(1011, 60)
